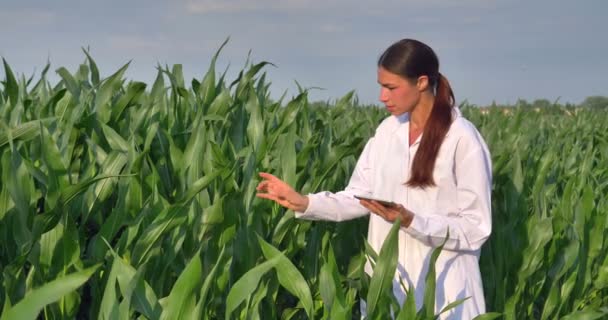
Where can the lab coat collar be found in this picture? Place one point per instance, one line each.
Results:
(403, 120)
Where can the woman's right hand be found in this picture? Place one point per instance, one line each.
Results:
(275, 189)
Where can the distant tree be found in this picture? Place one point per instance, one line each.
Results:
(542, 103)
(522, 103)
(595, 102)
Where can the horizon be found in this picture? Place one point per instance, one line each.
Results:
(490, 50)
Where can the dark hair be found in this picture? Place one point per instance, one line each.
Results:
(411, 59)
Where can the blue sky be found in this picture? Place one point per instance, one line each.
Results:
(490, 50)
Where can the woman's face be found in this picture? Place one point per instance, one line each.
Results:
(398, 94)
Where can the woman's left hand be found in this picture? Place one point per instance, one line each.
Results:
(389, 213)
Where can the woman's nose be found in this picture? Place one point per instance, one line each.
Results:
(383, 95)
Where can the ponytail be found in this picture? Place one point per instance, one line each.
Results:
(435, 130)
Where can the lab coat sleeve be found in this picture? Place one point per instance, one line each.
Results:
(343, 205)
(470, 227)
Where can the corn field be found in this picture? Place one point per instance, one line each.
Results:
(120, 200)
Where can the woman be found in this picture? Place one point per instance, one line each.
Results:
(430, 161)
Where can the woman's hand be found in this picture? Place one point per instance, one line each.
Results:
(275, 189)
(389, 213)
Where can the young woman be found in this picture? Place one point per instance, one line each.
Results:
(433, 164)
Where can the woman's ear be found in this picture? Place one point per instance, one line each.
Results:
(423, 83)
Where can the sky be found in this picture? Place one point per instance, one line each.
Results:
(490, 50)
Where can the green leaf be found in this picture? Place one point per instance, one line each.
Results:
(67, 251)
(31, 305)
(143, 298)
(108, 308)
(112, 166)
(108, 88)
(69, 82)
(221, 104)
(170, 218)
(209, 279)
(586, 315)
(207, 88)
(488, 316)
(114, 139)
(255, 125)
(179, 302)
(330, 288)
(430, 283)
(384, 271)
(289, 276)
(93, 67)
(288, 157)
(408, 310)
(10, 86)
(454, 305)
(199, 185)
(247, 284)
(194, 149)
(134, 91)
(71, 191)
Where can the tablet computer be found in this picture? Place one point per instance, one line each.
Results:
(385, 203)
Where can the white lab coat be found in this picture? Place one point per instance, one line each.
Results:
(460, 202)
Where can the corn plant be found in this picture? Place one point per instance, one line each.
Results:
(120, 199)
